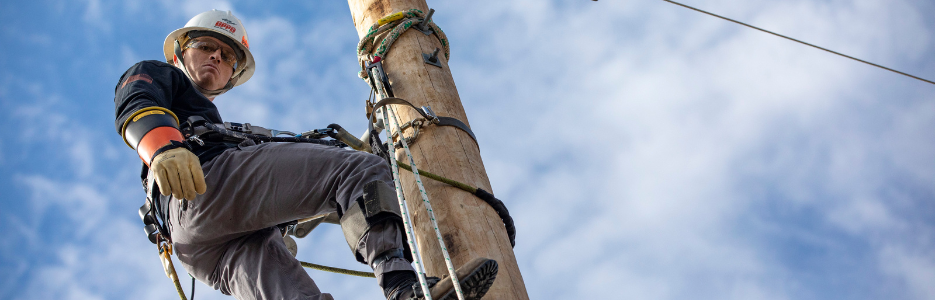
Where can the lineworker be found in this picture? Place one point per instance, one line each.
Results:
(223, 201)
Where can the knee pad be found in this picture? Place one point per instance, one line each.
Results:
(377, 205)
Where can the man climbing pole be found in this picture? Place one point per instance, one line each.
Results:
(222, 201)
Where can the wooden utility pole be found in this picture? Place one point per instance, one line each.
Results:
(470, 227)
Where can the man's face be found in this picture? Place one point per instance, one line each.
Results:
(208, 69)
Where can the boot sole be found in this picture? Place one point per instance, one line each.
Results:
(476, 284)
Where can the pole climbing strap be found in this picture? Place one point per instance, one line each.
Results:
(487, 197)
(494, 203)
(427, 113)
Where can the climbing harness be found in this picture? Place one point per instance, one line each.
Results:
(197, 129)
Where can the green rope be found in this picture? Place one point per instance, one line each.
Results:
(337, 270)
(465, 187)
(397, 24)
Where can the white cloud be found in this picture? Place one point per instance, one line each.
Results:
(305, 78)
(40, 118)
(94, 15)
(645, 150)
(128, 57)
(191, 8)
(915, 267)
(672, 116)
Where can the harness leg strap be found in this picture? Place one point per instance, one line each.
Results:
(377, 205)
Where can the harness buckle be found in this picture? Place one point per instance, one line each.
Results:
(196, 139)
(430, 113)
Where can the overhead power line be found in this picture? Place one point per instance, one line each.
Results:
(798, 41)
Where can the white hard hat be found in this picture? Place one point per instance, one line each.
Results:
(223, 26)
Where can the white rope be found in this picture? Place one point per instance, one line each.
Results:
(407, 221)
(428, 207)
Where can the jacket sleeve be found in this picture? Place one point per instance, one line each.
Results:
(146, 84)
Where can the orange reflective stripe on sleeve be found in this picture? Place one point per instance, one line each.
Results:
(155, 139)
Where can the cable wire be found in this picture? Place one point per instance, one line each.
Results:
(798, 41)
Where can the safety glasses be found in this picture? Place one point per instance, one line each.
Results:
(228, 56)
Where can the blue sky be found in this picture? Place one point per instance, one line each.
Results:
(645, 151)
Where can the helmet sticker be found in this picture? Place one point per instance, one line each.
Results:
(225, 26)
(245, 42)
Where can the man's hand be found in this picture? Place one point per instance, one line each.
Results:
(178, 172)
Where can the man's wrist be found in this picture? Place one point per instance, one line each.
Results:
(171, 145)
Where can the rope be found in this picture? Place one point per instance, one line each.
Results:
(193, 286)
(178, 288)
(337, 270)
(407, 221)
(457, 184)
(397, 24)
(797, 41)
(165, 255)
(428, 208)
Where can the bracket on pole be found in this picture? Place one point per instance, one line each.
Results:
(423, 25)
(432, 59)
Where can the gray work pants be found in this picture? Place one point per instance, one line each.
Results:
(227, 237)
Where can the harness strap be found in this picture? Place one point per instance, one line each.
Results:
(196, 125)
(439, 121)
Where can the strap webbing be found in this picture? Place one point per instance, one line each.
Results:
(440, 121)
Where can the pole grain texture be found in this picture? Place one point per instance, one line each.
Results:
(470, 227)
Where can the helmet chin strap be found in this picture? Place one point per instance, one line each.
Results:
(207, 93)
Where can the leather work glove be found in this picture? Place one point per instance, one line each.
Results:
(178, 172)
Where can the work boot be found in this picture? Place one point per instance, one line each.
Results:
(475, 277)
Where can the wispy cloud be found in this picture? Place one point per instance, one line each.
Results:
(676, 116)
(644, 150)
